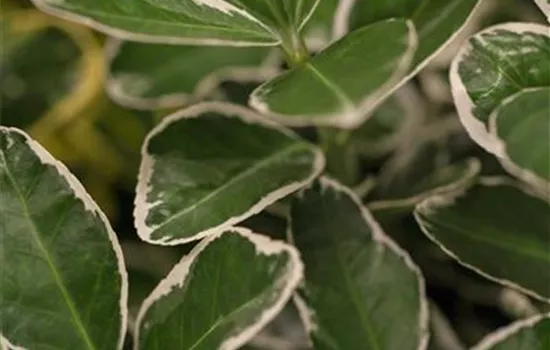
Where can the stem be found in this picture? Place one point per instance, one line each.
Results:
(294, 47)
(342, 162)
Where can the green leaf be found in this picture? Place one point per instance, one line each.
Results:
(63, 283)
(437, 22)
(38, 70)
(345, 81)
(522, 125)
(544, 6)
(149, 76)
(213, 165)
(221, 294)
(360, 287)
(495, 229)
(192, 22)
(450, 178)
(493, 65)
(529, 334)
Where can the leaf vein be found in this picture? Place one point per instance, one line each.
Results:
(35, 233)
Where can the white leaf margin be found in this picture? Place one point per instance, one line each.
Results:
(463, 103)
(268, 69)
(446, 199)
(473, 168)
(48, 6)
(544, 6)
(342, 19)
(90, 205)
(340, 24)
(318, 36)
(142, 207)
(264, 246)
(500, 145)
(5, 344)
(308, 16)
(307, 314)
(352, 115)
(500, 335)
(341, 28)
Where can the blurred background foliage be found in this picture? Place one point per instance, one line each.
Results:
(52, 85)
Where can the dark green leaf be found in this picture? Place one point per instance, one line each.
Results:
(63, 283)
(221, 294)
(361, 289)
(193, 22)
(345, 82)
(437, 21)
(522, 125)
(493, 65)
(211, 166)
(495, 229)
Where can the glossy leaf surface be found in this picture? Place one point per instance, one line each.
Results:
(211, 166)
(496, 230)
(213, 299)
(493, 65)
(522, 125)
(437, 22)
(360, 287)
(202, 22)
(63, 282)
(344, 82)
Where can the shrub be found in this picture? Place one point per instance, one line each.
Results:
(335, 191)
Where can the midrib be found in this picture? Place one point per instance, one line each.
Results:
(335, 89)
(366, 323)
(49, 260)
(233, 180)
(494, 242)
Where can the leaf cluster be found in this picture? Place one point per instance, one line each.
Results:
(332, 185)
